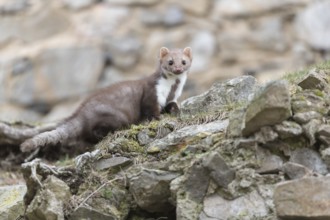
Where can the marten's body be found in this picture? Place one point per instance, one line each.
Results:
(122, 104)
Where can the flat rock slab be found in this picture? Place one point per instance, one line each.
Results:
(270, 106)
(11, 201)
(114, 162)
(250, 206)
(306, 198)
(180, 135)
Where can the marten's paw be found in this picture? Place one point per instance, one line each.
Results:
(28, 145)
(172, 108)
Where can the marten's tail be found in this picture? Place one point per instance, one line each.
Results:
(61, 134)
(15, 134)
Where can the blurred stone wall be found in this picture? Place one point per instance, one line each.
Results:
(55, 51)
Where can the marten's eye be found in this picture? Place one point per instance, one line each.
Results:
(170, 62)
(183, 62)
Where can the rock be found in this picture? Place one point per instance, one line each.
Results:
(112, 163)
(204, 45)
(239, 8)
(109, 202)
(236, 123)
(132, 2)
(170, 17)
(312, 23)
(323, 134)
(288, 129)
(151, 189)
(269, 163)
(304, 117)
(78, 4)
(310, 130)
(13, 113)
(308, 100)
(314, 80)
(12, 205)
(74, 69)
(219, 171)
(31, 27)
(200, 7)
(269, 107)
(310, 159)
(325, 154)
(180, 136)
(144, 137)
(13, 6)
(124, 51)
(249, 206)
(296, 171)
(48, 203)
(232, 92)
(304, 198)
(266, 134)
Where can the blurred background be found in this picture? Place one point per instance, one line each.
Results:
(55, 52)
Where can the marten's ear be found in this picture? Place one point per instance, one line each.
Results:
(188, 52)
(163, 52)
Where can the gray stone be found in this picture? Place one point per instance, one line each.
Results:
(288, 129)
(124, 51)
(306, 198)
(266, 134)
(204, 46)
(269, 107)
(12, 205)
(310, 159)
(304, 117)
(200, 7)
(144, 137)
(173, 16)
(269, 163)
(314, 80)
(249, 206)
(312, 25)
(323, 134)
(114, 162)
(232, 92)
(132, 2)
(48, 203)
(236, 123)
(151, 189)
(308, 100)
(325, 154)
(221, 174)
(239, 8)
(78, 4)
(296, 171)
(13, 6)
(310, 130)
(13, 113)
(176, 137)
(33, 26)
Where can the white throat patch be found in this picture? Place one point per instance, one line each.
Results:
(164, 85)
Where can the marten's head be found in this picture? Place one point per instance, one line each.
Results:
(176, 61)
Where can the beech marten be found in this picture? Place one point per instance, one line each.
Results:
(123, 104)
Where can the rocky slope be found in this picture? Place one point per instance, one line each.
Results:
(241, 150)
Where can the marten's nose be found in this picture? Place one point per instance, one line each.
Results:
(178, 70)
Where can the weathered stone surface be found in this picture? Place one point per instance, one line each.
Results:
(304, 117)
(323, 134)
(13, 6)
(307, 101)
(312, 25)
(266, 134)
(238, 8)
(132, 2)
(219, 170)
(325, 154)
(269, 163)
(310, 159)
(11, 198)
(270, 106)
(200, 7)
(48, 203)
(250, 206)
(78, 4)
(232, 92)
(313, 80)
(306, 198)
(171, 16)
(310, 130)
(295, 171)
(180, 136)
(114, 162)
(34, 26)
(151, 189)
(288, 129)
(13, 113)
(236, 123)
